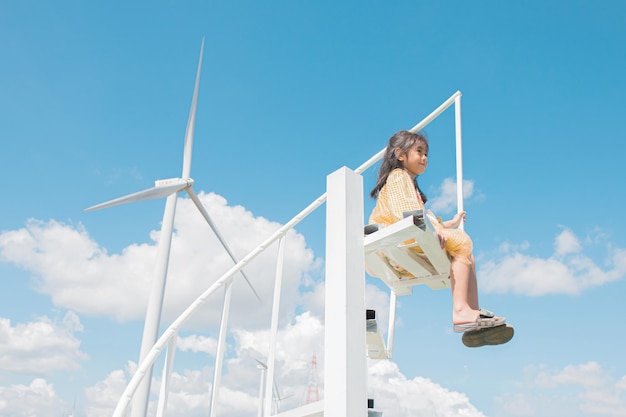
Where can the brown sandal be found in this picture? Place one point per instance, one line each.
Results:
(489, 336)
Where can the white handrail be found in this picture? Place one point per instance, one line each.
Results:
(421, 125)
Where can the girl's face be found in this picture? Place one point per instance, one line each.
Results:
(415, 160)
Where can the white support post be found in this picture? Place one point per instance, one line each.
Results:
(392, 323)
(278, 284)
(167, 376)
(459, 155)
(345, 370)
(263, 369)
(221, 348)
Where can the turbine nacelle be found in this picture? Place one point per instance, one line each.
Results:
(171, 181)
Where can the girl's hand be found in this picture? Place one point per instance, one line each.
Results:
(457, 219)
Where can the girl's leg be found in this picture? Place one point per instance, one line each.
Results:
(464, 292)
(472, 293)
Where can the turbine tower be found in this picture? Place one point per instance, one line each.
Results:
(168, 188)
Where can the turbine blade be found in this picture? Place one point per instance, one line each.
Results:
(154, 192)
(192, 121)
(198, 203)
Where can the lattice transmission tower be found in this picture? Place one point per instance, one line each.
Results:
(312, 390)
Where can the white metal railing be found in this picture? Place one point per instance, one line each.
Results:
(170, 334)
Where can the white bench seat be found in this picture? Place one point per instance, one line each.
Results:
(431, 268)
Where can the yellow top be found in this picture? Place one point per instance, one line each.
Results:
(399, 195)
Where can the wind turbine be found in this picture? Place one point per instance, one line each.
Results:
(262, 394)
(166, 188)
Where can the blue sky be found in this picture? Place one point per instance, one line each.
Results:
(94, 100)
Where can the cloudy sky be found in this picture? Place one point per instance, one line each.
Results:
(94, 100)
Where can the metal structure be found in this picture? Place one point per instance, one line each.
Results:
(312, 389)
(345, 335)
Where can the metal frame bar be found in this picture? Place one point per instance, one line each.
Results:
(278, 283)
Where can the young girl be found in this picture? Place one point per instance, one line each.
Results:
(397, 192)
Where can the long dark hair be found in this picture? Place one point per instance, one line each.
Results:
(402, 140)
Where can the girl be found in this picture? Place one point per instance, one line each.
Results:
(397, 192)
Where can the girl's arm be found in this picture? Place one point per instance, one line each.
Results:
(455, 221)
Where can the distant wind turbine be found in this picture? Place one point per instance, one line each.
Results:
(166, 188)
(262, 394)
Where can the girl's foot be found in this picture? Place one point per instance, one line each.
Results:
(482, 319)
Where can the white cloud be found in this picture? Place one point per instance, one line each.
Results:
(296, 343)
(598, 394)
(394, 393)
(196, 343)
(102, 398)
(399, 396)
(41, 346)
(445, 201)
(574, 391)
(567, 271)
(585, 375)
(37, 399)
(189, 394)
(566, 242)
(80, 275)
(77, 273)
